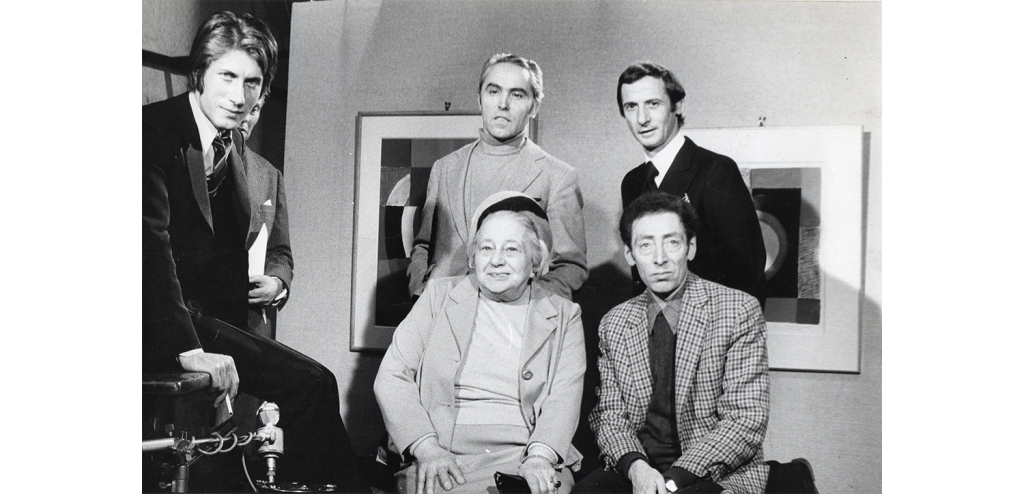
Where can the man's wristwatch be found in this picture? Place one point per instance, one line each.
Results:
(671, 486)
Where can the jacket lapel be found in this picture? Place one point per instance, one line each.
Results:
(194, 157)
(539, 325)
(239, 172)
(638, 338)
(197, 174)
(681, 173)
(457, 195)
(461, 313)
(256, 178)
(693, 325)
(519, 179)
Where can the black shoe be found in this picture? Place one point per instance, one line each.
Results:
(795, 477)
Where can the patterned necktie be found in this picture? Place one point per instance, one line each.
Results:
(652, 171)
(221, 148)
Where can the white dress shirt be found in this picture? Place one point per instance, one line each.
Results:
(207, 132)
(663, 159)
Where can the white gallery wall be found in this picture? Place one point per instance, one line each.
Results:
(795, 63)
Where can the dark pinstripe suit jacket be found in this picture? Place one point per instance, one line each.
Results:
(177, 225)
(721, 398)
(268, 206)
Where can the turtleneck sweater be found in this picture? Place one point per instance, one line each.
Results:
(490, 159)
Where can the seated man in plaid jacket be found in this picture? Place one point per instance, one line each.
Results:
(683, 400)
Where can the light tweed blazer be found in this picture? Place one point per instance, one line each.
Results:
(440, 246)
(721, 398)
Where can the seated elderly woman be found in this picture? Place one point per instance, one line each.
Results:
(486, 372)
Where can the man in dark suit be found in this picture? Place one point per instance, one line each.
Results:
(270, 253)
(196, 216)
(732, 249)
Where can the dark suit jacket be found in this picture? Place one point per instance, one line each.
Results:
(177, 227)
(266, 181)
(730, 246)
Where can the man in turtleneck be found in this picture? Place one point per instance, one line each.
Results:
(503, 158)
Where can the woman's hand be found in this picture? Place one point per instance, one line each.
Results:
(434, 463)
(540, 476)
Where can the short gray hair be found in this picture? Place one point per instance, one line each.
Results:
(536, 76)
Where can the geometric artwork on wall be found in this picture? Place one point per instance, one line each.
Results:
(404, 172)
(806, 184)
(393, 157)
(788, 204)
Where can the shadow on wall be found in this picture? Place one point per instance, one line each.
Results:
(803, 423)
(607, 286)
(365, 424)
(845, 448)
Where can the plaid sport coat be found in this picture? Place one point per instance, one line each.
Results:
(721, 371)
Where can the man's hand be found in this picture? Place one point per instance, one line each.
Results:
(540, 475)
(265, 289)
(221, 369)
(434, 463)
(645, 479)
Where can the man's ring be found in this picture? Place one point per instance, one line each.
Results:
(557, 483)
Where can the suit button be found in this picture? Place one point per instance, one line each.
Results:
(527, 375)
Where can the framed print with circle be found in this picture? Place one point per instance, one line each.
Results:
(808, 189)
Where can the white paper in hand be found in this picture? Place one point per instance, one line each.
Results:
(258, 252)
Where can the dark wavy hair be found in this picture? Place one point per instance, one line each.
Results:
(642, 69)
(224, 32)
(654, 203)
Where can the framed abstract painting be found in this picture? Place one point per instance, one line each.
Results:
(393, 157)
(808, 188)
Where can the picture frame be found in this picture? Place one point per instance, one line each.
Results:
(394, 152)
(808, 186)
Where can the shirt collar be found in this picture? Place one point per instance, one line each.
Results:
(672, 306)
(663, 159)
(207, 131)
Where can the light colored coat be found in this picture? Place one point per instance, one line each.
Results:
(721, 375)
(415, 386)
(440, 246)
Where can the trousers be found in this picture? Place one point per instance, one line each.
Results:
(317, 446)
(605, 481)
